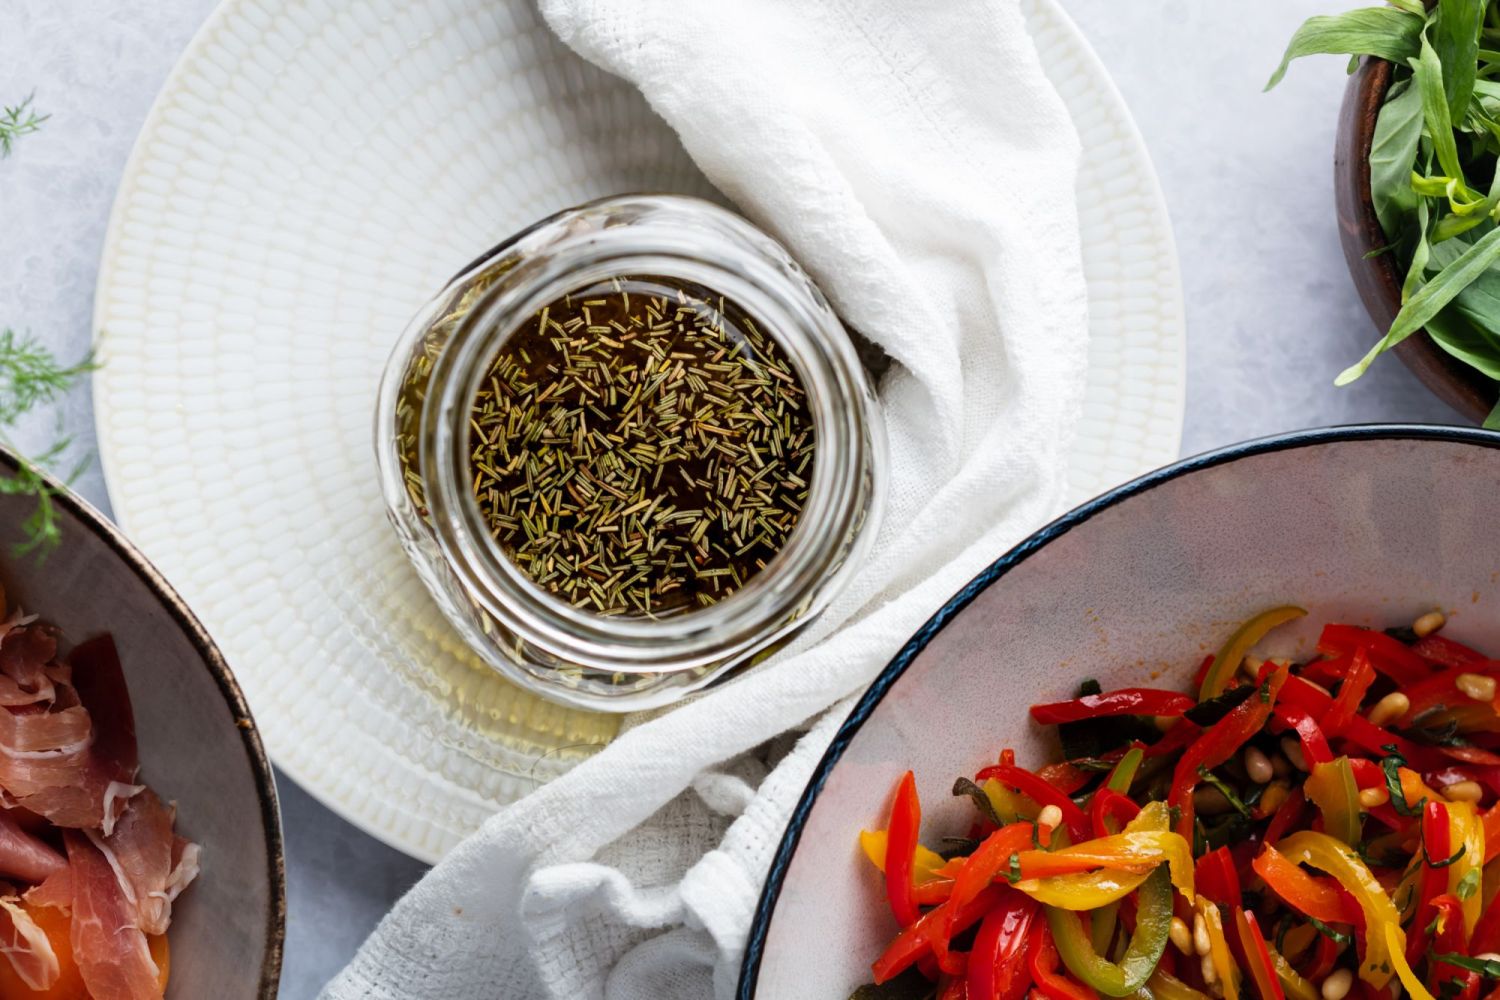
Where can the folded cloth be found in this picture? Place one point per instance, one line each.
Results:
(915, 159)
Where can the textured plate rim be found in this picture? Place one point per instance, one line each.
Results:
(203, 644)
(1170, 296)
(765, 909)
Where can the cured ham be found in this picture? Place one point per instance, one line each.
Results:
(111, 950)
(91, 853)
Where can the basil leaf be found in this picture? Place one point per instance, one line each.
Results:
(1455, 37)
(963, 786)
(1206, 713)
(1484, 966)
(1393, 154)
(1430, 299)
(1385, 32)
(910, 985)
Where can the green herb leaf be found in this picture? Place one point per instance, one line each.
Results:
(1206, 713)
(1469, 884)
(1492, 422)
(910, 985)
(1455, 37)
(1337, 937)
(963, 786)
(1487, 967)
(1430, 299)
(17, 120)
(1427, 79)
(1385, 32)
(1393, 153)
(1390, 764)
(1208, 777)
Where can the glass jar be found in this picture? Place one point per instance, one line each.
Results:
(540, 641)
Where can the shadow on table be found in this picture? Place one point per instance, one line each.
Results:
(340, 882)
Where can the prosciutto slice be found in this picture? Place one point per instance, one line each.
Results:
(109, 947)
(68, 761)
(24, 657)
(152, 864)
(26, 947)
(24, 855)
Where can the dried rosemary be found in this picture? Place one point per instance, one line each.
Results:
(640, 447)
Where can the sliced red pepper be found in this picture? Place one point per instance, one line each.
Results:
(1367, 774)
(1351, 693)
(1452, 940)
(901, 850)
(1316, 897)
(1125, 701)
(1038, 790)
(1217, 744)
(1472, 755)
(1258, 956)
(1215, 876)
(989, 860)
(1043, 962)
(915, 942)
(1288, 812)
(1360, 731)
(1439, 690)
(954, 989)
(1441, 652)
(1327, 672)
(1064, 777)
(1325, 957)
(1110, 804)
(1433, 881)
(1387, 655)
(1315, 748)
(996, 968)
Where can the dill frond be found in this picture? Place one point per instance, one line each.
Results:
(17, 120)
(30, 375)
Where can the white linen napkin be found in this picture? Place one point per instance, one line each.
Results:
(917, 162)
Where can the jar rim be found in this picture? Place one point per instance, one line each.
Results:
(721, 251)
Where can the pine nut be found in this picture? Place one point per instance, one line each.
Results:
(1279, 766)
(1251, 666)
(1209, 801)
(1049, 816)
(1476, 686)
(1181, 936)
(1210, 973)
(1258, 766)
(1463, 791)
(1201, 943)
(1488, 956)
(1293, 751)
(1389, 709)
(1337, 985)
(1428, 624)
(1369, 798)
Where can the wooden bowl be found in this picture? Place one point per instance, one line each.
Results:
(1377, 278)
(198, 742)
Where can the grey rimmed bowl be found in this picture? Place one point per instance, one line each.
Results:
(198, 742)
(1370, 525)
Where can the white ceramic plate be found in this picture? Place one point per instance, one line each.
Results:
(1367, 525)
(312, 171)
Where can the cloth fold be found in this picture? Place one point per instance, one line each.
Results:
(917, 162)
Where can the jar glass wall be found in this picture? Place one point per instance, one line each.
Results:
(423, 420)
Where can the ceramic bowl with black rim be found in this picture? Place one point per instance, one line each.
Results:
(198, 743)
(1369, 525)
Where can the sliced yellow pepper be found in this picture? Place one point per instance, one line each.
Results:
(1010, 805)
(1465, 827)
(923, 868)
(1126, 859)
(1229, 973)
(1385, 944)
(1292, 981)
(1233, 652)
(1395, 943)
(1332, 788)
(1164, 986)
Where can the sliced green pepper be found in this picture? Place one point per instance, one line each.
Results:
(1233, 652)
(1153, 925)
(1124, 772)
(1334, 791)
